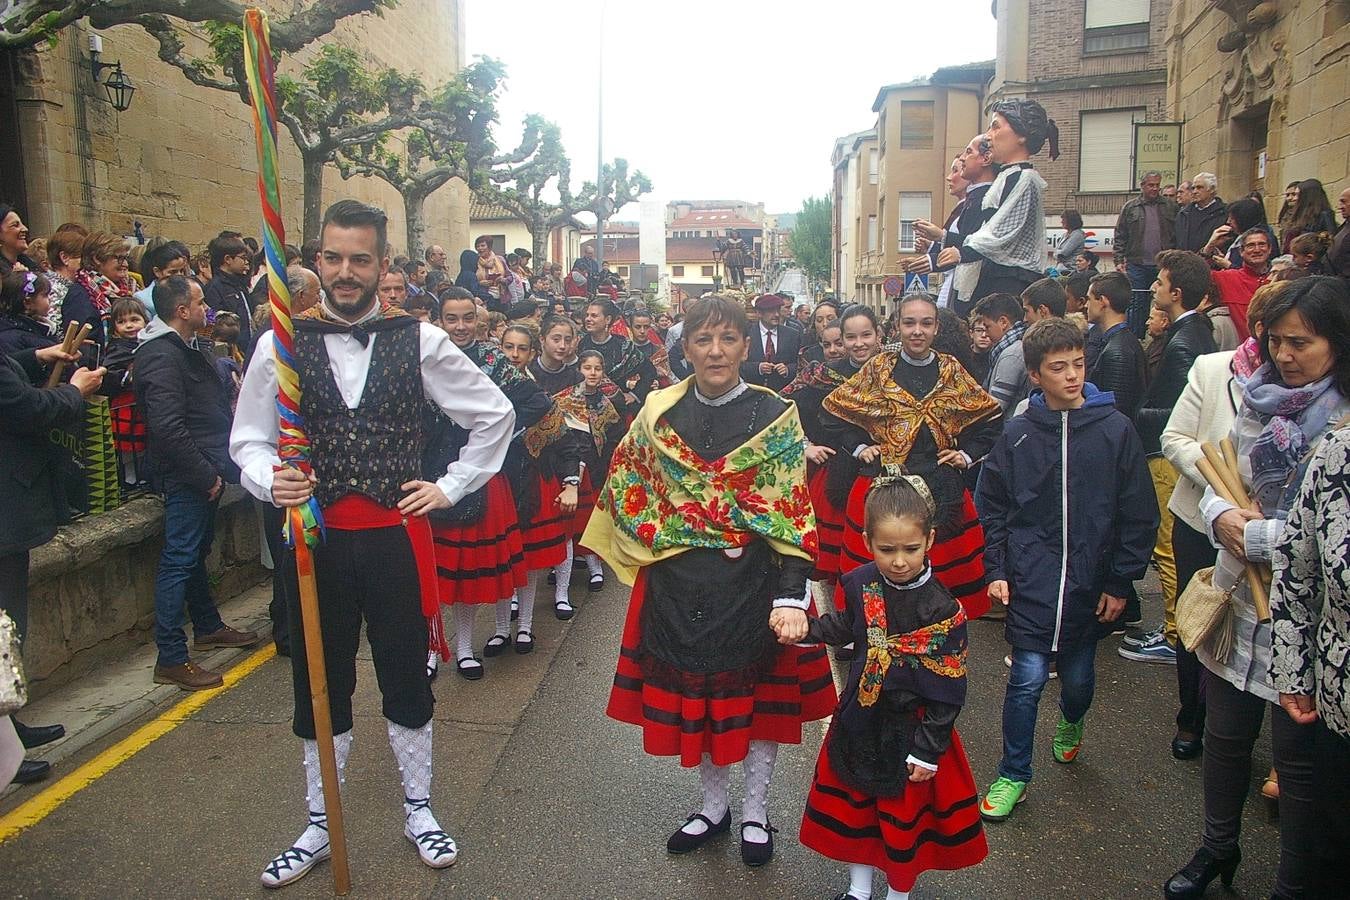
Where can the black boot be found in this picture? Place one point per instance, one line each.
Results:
(31, 770)
(1203, 868)
(37, 737)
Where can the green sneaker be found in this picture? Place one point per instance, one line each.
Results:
(1002, 796)
(1068, 740)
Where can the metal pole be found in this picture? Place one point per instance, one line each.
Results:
(600, 150)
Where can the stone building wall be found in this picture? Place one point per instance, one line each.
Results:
(1283, 85)
(181, 160)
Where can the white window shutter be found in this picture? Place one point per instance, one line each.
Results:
(1104, 149)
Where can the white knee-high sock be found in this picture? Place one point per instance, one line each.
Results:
(525, 595)
(713, 780)
(860, 881)
(316, 833)
(562, 574)
(758, 767)
(503, 611)
(893, 894)
(412, 749)
(464, 614)
(593, 565)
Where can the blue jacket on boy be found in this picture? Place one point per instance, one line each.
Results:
(1069, 513)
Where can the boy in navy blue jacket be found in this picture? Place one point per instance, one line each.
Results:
(1069, 517)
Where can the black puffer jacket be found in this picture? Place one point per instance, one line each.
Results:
(1121, 368)
(22, 333)
(1188, 337)
(32, 497)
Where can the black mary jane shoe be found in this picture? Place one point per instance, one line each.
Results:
(38, 736)
(596, 582)
(683, 842)
(470, 667)
(563, 610)
(1187, 749)
(755, 855)
(524, 642)
(1203, 868)
(496, 645)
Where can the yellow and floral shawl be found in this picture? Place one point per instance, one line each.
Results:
(892, 416)
(661, 498)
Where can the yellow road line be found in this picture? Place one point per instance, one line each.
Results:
(30, 812)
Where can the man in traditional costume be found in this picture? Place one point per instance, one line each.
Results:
(365, 371)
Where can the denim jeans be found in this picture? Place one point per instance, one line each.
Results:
(1026, 680)
(1141, 282)
(189, 527)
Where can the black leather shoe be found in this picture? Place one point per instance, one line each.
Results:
(1186, 749)
(1203, 868)
(32, 737)
(752, 854)
(31, 770)
(682, 841)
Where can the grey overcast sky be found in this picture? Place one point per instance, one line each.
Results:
(718, 100)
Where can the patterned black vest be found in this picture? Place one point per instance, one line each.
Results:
(377, 447)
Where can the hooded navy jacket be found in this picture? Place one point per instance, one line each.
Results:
(1069, 513)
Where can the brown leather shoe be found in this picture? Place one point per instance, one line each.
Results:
(189, 676)
(225, 637)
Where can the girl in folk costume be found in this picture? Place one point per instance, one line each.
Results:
(706, 513)
(825, 467)
(553, 368)
(625, 364)
(1010, 245)
(594, 409)
(914, 407)
(813, 345)
(480, 554)
(893, 791)
(547, 502)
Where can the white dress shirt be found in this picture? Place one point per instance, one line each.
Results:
(764, 332)
(449, 378)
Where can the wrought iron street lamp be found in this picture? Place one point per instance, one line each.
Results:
(117, 85)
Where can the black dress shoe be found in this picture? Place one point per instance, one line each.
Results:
(682, 841)
(1187, 749)
(752, 854)
(1203, 868)
(31, 770)
(284, 649)
(32, 737)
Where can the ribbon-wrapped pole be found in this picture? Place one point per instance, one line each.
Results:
(303, 523)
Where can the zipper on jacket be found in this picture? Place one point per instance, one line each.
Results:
(1063, 524)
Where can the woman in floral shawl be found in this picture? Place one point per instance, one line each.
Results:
(914, 407)
(706, 513)
(105, 277)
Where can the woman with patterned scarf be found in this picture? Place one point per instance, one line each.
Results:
(105, 276)
(914, 407)
(480, 555)
(1301, 391)
(706, 513)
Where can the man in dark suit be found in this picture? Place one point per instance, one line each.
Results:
(773, 348)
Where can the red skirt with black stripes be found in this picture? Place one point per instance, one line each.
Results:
(545, 538)
(933, 824)
(829, 528)
(484, 561)
(722, 723)
(958, 562)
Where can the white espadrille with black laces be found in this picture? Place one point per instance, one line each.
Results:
(308, 851)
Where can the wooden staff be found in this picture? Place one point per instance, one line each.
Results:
(1219, 476)
(75, 335)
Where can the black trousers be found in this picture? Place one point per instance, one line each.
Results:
(1192, 552)
(273, 518)
(1331, 777)
(14, 589)
(1232, 724)
(368, 575)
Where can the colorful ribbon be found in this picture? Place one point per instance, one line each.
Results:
(293, 443)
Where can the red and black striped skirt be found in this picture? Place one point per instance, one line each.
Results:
(958, 562)
(829, 527)
(933, 824)
(545, 538)
(484, 561)
(722, 723)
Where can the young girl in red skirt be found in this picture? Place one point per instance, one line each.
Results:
(548, 499)
(480, 555)
(893, 791)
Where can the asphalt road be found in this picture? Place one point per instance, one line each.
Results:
(550, 799)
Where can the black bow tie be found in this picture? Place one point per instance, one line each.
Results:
(361, 335)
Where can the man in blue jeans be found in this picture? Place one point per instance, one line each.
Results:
(1066, 536)
(187, 417)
